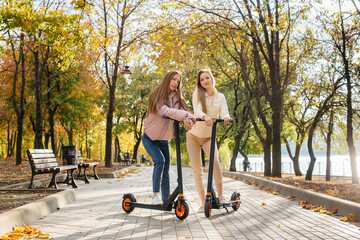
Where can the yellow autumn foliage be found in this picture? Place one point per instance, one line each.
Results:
(25, 232)
(350, 218)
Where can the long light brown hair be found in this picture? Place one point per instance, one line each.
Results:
(200, 90)
(160, 95)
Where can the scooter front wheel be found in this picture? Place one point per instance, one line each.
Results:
(207, 207)
(236, 197)
(128, 198)
(181, 211)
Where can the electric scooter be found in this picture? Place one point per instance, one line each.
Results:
(211, 201)
(180, 205)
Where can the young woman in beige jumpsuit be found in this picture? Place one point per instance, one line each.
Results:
(208, 103)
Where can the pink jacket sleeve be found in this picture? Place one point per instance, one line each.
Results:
(176, 114)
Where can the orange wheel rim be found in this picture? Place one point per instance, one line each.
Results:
(181, 212)
(238, 204)
(209, 208)
(126, 200)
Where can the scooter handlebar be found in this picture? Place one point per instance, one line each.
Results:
(166, 117)
(199, 119)
(214, 120)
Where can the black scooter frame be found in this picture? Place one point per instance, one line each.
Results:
(179, 204)
(211, 201)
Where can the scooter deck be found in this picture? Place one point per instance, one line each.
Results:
(223, 205)
(150, 206)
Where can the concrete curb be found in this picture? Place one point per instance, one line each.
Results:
(343, 207)
(24, 215)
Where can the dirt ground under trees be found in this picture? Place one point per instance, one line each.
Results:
(340, 187)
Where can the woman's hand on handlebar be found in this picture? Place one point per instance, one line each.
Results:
(208, 121)
(227, 120)
(188, 124)
(211, 121)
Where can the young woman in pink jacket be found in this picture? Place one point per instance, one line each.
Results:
(208, 103)
(166, 100)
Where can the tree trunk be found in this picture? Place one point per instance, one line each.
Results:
(51, 113)
(20, 127)
(246, 160)
(109, 125)
(349, 134)
(328, 144)
(135, 150)
(277, 115)
(277, 122)
(13, 143)
(235, 153)
(342, 48)
(8, 140)
(267, 155)
(323, 108)
(311, 152)
(38, 97)
(349, 120)
(58, 144)
(352, 152)
(88, 153)
(86, 143)
(52, 132)
(138, 134)
(117, 149)
(137, 144)
(47, 138)
(20, 110)
(317, 118)
(69, 132)
(295, 158)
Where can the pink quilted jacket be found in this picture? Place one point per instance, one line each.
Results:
(155, 126)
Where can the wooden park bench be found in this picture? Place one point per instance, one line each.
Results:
(84, 165)
(125, 159)
(43, 161)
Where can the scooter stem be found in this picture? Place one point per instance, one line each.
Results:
(212, 156)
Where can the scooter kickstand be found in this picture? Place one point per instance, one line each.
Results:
(226, 209)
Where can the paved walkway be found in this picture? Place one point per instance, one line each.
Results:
(97, 214)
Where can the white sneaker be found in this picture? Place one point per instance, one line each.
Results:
(223, 200)
(156, 200)
(201, 210)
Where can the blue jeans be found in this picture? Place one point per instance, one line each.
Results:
(160, 153)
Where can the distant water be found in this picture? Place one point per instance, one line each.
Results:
(340, 164)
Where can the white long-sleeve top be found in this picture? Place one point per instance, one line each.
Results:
(215, 106)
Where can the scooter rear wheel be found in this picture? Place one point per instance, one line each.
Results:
(128, 198)
(208, 208)
(182, 212)
(236, 197)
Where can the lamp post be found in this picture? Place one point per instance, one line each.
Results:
(126, 70)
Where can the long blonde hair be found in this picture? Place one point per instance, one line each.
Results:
(200, 90)
(160, 95)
